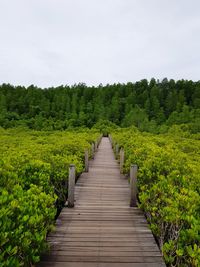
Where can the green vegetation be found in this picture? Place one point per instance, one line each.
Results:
(169, 189)
(33, 175)
(163, 138)
(147, 105)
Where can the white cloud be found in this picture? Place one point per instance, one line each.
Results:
(52, 42)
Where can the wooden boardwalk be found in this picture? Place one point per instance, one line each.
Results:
(102, 230)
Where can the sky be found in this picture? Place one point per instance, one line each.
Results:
(53, 42)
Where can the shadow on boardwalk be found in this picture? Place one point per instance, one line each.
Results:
(102, 230)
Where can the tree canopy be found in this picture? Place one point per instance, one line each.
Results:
(143, 104)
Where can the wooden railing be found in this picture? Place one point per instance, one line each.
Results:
(72, 171)
(120, 155)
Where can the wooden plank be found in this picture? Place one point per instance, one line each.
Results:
(105, 244)
(110, 259)
(96, 230)
(102, 239)
(106, 253)
(61, 246)
(104, 264)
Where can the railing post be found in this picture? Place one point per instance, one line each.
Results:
(86, 161)
(71, 185)
(93, 150)
(95, 146)
(116, 150)
(110, 138)
(133, 185)
(98, 141)
(121, 160)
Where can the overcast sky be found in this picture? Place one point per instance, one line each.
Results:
(53, 42)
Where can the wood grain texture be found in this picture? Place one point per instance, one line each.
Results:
(102, 230)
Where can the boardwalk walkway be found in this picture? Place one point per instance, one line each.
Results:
(102, 230)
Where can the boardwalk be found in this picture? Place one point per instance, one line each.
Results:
(102, 230)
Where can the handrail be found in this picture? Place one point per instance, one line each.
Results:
(71, 184)
(133, 171)
(72, 171)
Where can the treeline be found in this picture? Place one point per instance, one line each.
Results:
(145, 104)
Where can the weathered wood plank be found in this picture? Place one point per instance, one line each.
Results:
(111, 259)
(105, 244)
(93, 264)
(106, 253)
(102, 239)
(99, 249)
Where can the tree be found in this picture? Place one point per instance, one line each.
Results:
(136, 117)
(3, 106)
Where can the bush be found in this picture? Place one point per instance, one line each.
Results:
(169, 189)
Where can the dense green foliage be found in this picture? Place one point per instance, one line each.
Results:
(169, 189)
(34, 164)
(144, 104)
(33, 175)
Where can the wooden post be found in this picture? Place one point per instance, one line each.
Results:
(93, 150)
(71, 185)
(86, 161)
(95, 146)
(99, 140)
(133, 185)
(117, 150)
(110, 138)
(121, 160)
